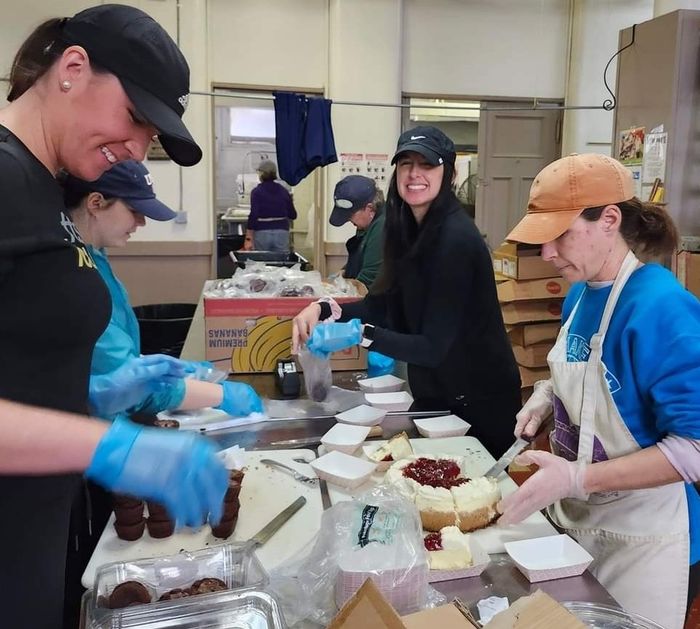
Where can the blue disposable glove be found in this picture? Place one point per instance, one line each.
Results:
(131, 383)
(240, 399)
(179, 470)
(379, 364)
(332, 337)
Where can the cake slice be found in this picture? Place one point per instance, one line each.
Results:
(448, 549)
(397, 448)
(475, 503)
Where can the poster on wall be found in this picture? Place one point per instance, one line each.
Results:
(376, 167)
(655, 144)
(351, 164)
(636, 171)
(632, 146)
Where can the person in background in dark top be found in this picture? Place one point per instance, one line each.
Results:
(357, 199)
(85, 93)
(434, 306)
(271, 210)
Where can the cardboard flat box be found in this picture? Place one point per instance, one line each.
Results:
(528, 376)
(521, 262)
(253, 334)
(531, 333)
(688, 271)
(533, 355)
(534, 310)
(519, 290)
(537, 611)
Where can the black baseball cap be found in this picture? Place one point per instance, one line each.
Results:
(430, 142)
(351, 193)
(153, 72)
(129, 181)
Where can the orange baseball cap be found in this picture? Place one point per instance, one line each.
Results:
(566, 187)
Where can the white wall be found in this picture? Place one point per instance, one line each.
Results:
(594, 40)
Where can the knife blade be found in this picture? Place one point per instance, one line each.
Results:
(507, 458)
(267, 531)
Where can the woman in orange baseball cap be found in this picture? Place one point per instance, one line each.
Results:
(624, 389)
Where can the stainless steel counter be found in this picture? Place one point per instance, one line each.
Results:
(501, 577)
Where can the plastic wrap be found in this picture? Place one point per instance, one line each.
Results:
(318, 378)
(377, 536)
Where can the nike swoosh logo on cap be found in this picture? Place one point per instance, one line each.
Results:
(417, 137)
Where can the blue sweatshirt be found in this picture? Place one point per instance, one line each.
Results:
(651, 355)
(121, 340)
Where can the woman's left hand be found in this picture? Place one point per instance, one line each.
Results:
(557, 478)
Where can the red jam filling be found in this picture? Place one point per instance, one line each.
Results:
(388, 457)
(433, 541)
(435, 472)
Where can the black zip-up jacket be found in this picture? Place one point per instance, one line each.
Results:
(442, 317)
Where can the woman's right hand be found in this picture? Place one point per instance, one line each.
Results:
(303, 325)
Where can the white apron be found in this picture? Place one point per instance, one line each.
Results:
(639, 539)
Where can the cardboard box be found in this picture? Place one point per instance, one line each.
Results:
(253, 334)
(528, 376)
(533, 355)
(688, 271)
(531, 333)
(537, 610)
(521, 262)
(519, 290)
(528, 311)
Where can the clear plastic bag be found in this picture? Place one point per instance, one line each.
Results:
(377, 536)
(318, 378)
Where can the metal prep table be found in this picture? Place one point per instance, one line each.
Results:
(501, 577)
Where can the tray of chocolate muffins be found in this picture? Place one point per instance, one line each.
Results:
(122, 587)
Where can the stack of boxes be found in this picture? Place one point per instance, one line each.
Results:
(531, 294)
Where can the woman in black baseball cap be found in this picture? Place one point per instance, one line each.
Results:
(86, 93)
(434, 305)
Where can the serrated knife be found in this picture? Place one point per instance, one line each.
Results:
(507, 458)
(267, 531)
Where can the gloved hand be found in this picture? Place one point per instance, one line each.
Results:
(557, 478)
(240, 399)
(128, 385)
(327, 338)
(179, 470)
(379, 364)
(535, 410)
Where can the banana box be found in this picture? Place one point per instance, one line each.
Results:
(253, 334)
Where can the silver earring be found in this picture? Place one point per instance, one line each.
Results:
(66, 85)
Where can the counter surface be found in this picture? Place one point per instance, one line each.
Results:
(501, 577)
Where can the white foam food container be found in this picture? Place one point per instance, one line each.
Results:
(445, 426)
(362, 415)
(381, 384)
(345, 438)
(342, 469)
(397, 401)
(551, 557)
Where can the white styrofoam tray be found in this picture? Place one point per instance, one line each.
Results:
(264, 493)
(381, 384)
(492, 538)
(551, 557)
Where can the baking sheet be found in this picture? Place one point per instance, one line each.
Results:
(478, 461)
(264, 493)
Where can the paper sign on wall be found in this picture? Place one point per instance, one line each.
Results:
(655, 144)
(632, 146)
(351, 164)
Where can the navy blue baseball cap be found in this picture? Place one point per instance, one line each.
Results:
(351, 193)
(430, 142)
(129, 181)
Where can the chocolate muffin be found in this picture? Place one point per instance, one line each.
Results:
(175, 594)
(159, 529)
(206, 585)
(167, 423)
(128, 515)
(224, 528)
(129, 593)
(233, 492)
(120, 500)
(130, 532)
(157, 512)
(230, 509)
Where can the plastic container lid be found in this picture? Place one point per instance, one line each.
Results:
(602, 616)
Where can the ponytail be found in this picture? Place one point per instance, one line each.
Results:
(35, 56)
(646, 228)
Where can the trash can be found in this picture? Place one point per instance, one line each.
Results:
(164, 327)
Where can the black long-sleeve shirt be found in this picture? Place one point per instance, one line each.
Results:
(442, 317)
